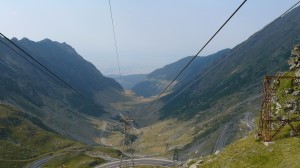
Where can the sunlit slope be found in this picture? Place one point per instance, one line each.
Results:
(248, 152)
(24, 138)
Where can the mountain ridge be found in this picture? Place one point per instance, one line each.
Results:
(33, 91)
(158, 79)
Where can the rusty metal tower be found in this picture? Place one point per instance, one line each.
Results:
(126, 143)
(280, 106)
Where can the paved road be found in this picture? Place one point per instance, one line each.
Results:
(221, 139)
(248, 119)
(141, 161)
(39, 163)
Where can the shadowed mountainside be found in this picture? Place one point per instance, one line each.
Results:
(160, 78)
(32, 90)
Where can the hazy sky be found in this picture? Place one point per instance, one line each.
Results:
(150, 33)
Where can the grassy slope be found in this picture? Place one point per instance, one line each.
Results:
(248, 152)
(22, 141)
(89, 157)
(158, 139)
(169, 132)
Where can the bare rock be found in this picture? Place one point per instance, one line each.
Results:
(296, 93)
(289, 91)
(193, 166)
(199, 162)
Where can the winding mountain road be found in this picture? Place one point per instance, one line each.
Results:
(39, 163)
(140, 162)
(248, 120)
(220, 143)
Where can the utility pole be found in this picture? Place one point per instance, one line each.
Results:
(127, 144)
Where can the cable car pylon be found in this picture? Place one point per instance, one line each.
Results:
(127, 143)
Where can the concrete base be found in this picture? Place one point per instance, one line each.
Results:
(268, 143)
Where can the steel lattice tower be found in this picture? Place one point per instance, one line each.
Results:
(126, 143)
(274, 117)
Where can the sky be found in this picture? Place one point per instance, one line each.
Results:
(149, 33)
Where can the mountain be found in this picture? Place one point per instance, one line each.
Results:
(128, 81)
(199, 65)
(250, 151)
(30, 88)
(149, 87)
(64, 61)
(160, 78)
(218, 103)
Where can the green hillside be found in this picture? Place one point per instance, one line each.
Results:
(24, 138)
(248, 152)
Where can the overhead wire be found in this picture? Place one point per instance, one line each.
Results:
(115, 40)
(193, 58)
(120, 80)
(53, 77)
(228, 56)
(26, 59)
(43, 67)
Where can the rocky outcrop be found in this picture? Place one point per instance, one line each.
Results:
(286, 100)
(294, 61)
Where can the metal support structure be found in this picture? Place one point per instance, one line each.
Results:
(127, 143)
(273, 116)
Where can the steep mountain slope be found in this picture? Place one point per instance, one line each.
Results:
(150, 87)
(160, 78)
(200, 64)
(29, 89)
(266, 54)
(233, 88)
(63, 60)
(283, 150)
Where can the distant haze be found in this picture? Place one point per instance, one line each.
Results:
(150, 33)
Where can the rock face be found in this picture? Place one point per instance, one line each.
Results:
(286, 100)
(294, 61)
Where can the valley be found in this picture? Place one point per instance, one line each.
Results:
(59, 109)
